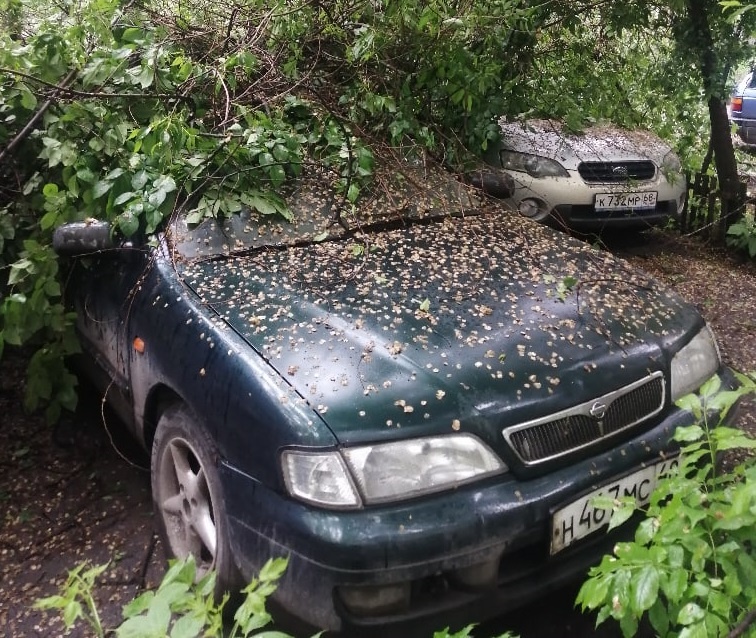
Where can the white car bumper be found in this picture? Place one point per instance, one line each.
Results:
(572, 201)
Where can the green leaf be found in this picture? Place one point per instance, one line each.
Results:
(273, 569)
(28, 99)
(628, 625)
(50, 190)
(52, 288)
(594, 591)
(150, 625)
(133, 34)
(48, 220)
(689, 403)
(139, 604)
(697, 630)
(690, 613)
(711, 387)
(139, 180)
(689, 433)
(659, 618)
(165, 183)
(644, 588)
(188, 626)
(100, 188)
(71, 612)
(123, 198)
(128, 223)
(156, 198)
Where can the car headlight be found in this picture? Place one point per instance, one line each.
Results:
(694, 364)
(533, 165)
(387, 471)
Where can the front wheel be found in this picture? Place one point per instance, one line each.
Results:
(187, 496)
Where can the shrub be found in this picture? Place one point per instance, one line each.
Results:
(181, 606)
(691, 568)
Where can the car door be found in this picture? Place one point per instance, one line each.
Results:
(103, 286)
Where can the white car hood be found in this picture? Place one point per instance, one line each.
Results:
(602, 143)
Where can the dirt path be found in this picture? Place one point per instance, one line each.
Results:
(67, 496)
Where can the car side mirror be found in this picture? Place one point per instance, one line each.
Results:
(492, 182)
(82, 238)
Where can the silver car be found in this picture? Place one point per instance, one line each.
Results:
(603, 177)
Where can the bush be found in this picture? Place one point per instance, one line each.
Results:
(691, 569)
(181, 606)
(742, 235)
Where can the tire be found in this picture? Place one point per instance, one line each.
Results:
(187, 498)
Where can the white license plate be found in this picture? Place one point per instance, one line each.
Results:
(625, 201)
(579, 519)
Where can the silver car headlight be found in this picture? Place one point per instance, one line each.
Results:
(533, 165)
(388, 471)
(694, 364)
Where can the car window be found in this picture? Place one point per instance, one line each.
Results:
(319, 212)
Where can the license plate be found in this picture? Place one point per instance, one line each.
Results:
(579, 519)
(625, 201)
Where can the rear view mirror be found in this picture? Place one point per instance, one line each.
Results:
(82, 238)
(492, 182)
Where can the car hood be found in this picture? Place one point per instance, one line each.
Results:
(602, 143)
(467, 323)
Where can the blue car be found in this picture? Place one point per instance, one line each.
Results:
(742, 108)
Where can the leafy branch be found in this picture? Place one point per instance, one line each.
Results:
(690, 569)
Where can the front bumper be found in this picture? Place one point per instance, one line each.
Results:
(570, 201)
(439, 548)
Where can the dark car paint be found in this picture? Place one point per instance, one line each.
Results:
(363, 354)
(433, 536)
(257, 399)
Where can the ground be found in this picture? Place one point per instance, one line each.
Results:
(80, 491)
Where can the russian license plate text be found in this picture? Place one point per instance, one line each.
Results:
(625, 201)
(579, 519)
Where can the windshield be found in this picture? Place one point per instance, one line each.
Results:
(319, 212)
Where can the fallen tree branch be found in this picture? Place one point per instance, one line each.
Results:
(743, 625)
(24, 132)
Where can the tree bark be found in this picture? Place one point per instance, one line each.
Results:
(724, 152)
(713, 84)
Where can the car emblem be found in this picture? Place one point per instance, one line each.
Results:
(598, 410)
(620, 171)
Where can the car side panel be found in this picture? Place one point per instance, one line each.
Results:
(247, 407)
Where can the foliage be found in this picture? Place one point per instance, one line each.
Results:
(742, 235)
(136, 112)
(691, 568)
(182, 606)
(466, 632)
(76, 600)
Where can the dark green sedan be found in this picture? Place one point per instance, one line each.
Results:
(415, 401)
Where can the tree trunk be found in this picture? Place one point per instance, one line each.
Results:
(724, 152)
(713, 83)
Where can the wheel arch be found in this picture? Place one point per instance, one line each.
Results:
(158, 399)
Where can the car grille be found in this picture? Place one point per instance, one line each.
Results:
(617, 171)
(565, 432)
